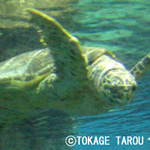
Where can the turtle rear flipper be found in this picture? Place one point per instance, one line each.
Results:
(65, 48)
(141, 67)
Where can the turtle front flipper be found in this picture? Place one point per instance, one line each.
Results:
(65, 48)
(141, 67)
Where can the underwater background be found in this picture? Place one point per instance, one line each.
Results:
(121, 26)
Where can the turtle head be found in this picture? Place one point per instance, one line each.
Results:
(118, 86)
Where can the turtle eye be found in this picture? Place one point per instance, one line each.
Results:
(134, 88)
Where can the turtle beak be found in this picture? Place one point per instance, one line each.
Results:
(123, 95)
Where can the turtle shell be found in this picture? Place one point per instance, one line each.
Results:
(26, 70)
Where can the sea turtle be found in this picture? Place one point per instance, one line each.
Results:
(67, 77)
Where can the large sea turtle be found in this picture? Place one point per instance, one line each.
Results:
(68, 77)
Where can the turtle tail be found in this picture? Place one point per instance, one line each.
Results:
(141, 67)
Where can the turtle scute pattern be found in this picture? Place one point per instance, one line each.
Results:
(26, 70)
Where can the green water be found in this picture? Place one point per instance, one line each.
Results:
(121, 26)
